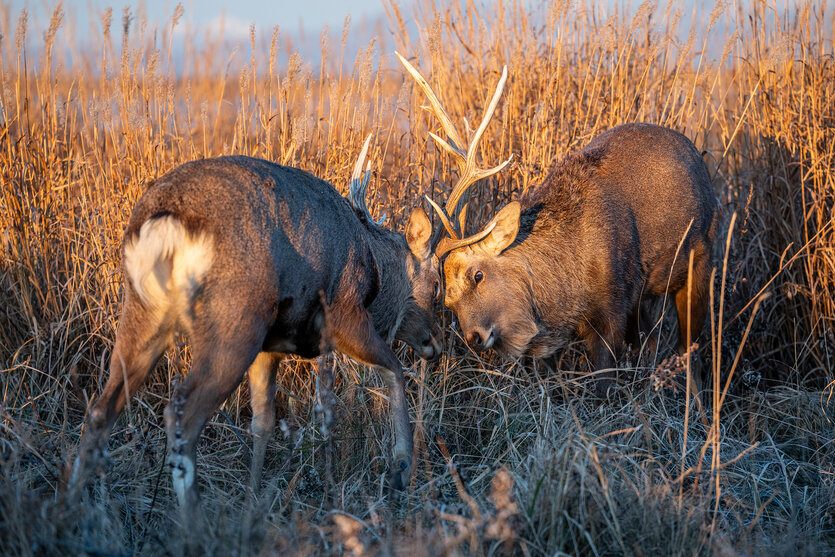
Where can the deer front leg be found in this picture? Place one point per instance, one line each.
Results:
(401, 468)
(603, 342)
(353, 334)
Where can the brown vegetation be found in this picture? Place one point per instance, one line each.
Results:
(509, 456)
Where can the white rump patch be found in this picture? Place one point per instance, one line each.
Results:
(166, 263)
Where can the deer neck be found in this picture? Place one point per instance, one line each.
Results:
(388, 307)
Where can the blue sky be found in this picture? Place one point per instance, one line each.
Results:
(287, 14)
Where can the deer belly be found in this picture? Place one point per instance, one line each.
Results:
(300, 336)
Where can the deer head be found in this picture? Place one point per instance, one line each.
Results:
(417, 325)
(477, 285)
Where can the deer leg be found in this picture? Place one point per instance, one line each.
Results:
(218, 367)
(603, 342)
(641, 322)
(603, 362)
(262, 387)
(633, 327)
(141, 338)
(650, 327)
(698, 302)
(353, 334)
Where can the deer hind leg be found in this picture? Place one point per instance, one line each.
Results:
(353, 334)
(218, 366)
(698, 301)
(633, 328)
(141, 339)
(262, 386)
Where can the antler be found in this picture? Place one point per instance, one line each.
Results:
(358, 187)
(468, 171)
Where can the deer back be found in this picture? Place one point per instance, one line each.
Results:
(663, 179)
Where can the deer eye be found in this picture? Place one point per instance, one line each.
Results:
(478, 277)
(437, 294)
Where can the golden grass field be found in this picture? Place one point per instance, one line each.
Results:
(512, 457)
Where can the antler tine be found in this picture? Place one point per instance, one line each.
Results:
(471, 173)
(439, 111)
(359, 182)
(450, 228)
(446, 245)
(361, 159)
(488, 114)
(462, 218)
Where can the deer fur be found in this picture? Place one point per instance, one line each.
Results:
(253, 260)
(611, 226)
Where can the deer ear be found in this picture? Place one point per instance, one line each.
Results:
(419, 233)
(505, 227)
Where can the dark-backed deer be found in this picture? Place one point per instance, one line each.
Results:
(612, 226)
(249, 258)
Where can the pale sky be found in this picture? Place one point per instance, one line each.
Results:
(238, 14)
(300, 20)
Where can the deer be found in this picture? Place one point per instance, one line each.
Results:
(612, 226)
(255, 261)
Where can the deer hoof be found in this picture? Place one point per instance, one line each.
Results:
(400, 473)
(605, 387)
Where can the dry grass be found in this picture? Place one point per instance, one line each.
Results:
(511, 456)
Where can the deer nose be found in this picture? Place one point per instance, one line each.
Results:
(474, 340)
(431, 349)
(481, 339)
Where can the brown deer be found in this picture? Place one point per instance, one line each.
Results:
(612, 226)
(253, 260)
